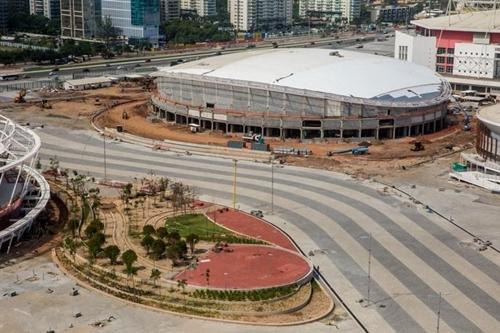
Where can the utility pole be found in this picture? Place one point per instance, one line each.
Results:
(234, 183)
(438, 313)
(105, 164)
(272, 185)
(369, 269)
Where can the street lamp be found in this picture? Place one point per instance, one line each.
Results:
(272, 185)
(234, 183)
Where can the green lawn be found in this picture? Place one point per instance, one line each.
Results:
(206, 230)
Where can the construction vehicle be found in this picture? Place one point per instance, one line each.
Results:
(20, 96)
(253, 137)
(359, 150)
(45, 104)
(418, 146)
(467, 126)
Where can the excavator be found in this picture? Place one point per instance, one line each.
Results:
(20, 96)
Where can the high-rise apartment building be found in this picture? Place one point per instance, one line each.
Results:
(348, 9)
(250, 15)
(9, 8)
(3, 15)
(137, 19)
(170, 10)
(47, 8)
(201, 7)
(79, 18)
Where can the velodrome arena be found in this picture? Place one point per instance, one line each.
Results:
(304, 94)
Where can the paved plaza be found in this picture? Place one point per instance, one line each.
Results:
(415, 253)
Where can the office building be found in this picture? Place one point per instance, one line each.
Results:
(465, 45)
(136, 19)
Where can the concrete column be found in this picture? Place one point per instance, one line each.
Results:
(10, 243)
(393, 132)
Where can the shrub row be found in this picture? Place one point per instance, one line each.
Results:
(244, 295)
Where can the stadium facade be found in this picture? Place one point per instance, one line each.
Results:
(24, 193)
(304, 93)
(488, 134)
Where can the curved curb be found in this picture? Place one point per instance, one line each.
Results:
(86, 285)
(136, 140)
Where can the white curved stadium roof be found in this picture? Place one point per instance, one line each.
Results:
(349, 73)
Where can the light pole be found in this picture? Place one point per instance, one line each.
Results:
(272, 185)
(438, 313)
(234, 183)
(105, 164)
(369, 269)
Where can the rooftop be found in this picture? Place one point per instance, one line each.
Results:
(347, 73)
(479, 21)
(89, 80)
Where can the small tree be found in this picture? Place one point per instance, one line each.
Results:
(147, 242)
(95, 243)
(112, 252)
(129, 257)
(54, 166)
(173, 237)
(148, 229)
(207, 276)
(192, 240)
(181, 284)
(71, 245)
(157, 249)
(93, 228)
(162, 232)
(176, 251)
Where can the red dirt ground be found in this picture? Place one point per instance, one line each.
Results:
(251, 226)
(248, 267)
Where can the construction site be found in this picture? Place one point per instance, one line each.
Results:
(125, 108)
(231, 221)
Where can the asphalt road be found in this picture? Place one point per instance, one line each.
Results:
(414, 254)
(165, 60)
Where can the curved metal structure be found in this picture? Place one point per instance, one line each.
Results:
(24, 192)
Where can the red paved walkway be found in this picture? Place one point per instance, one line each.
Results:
(250, 225)
(247, 267)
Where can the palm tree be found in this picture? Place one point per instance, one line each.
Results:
(192, 239)
(155, 275)
(128, 258)
(147, 242)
